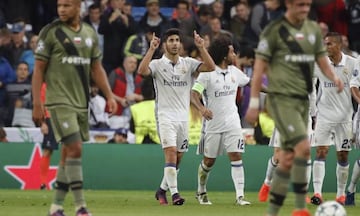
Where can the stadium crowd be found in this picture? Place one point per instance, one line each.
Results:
(124, 30)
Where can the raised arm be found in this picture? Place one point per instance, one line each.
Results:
(208, 63)
(144, 64)
(99, 76)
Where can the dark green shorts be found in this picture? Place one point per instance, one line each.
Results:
(69, 125)
(291, 116)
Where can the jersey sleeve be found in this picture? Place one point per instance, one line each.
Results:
(355, 76)
(152, 67)
(319, 44)
(266, 43)
(96, 52)
(243, 79)
(194, 64)
(201, 82)
(44, 45)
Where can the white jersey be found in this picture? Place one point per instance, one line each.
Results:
(220, 89)
(172, 85)
(334, 107)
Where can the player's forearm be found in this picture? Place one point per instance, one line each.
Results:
(326, 68)
(256, 81)
(356, 94)
(143, 68)
(208, 62)
(195, 100)
(36, 83)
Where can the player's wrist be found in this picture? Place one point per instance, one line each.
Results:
(254, 103)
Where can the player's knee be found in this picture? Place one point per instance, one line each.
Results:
(342, 157)
(321, 152)
(209, 162)
(277, 199)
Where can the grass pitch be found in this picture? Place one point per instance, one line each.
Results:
(141, 203)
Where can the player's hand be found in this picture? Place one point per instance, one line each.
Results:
(207, 114)
(112, 105)
(339, 84)
(38, 114)
(199, 42)
(252, 116)
(44, 128)
(155, 42)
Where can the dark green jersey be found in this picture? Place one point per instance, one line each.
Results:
(66, 84)
(284, 75)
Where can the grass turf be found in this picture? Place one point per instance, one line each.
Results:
(113, 203)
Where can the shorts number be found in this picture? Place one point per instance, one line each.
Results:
(241, 144)
(346, 144)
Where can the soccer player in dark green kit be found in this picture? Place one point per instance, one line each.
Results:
(287, 51)
(67, 56)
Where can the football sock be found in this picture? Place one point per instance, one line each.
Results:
(73, 169)
(342, 173)
(203, 175)
(354, 177)
(44, 168)
(270, 170)
(278, 191)
(299, 179)
(237, 174)
(61, 189)
(308, 171)
(170, 175)
(163, 185)
(318, 173)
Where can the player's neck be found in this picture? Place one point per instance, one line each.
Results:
(173, 58)
(74, 24)
(336, 59)
(293, 20)
(223, 65)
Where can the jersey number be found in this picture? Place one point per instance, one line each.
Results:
(346, 144)
(241, 144)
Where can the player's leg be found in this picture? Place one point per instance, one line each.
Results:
(350, 195)
(44, 167)
(343, 141)
(323, 139)
(49, 144)
(76, 130)
(211, 142)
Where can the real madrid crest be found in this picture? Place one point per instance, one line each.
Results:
(88, 42)
(311, 38)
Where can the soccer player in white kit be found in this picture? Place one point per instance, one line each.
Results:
(334, 118)
(221, 126)
(172, 77)
(355, 176)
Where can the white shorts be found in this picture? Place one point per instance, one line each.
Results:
(356, 130)
(214, 144)
(340, 132)
(174, 134)
(275, 137)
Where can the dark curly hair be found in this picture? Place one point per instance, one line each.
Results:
(219, 48)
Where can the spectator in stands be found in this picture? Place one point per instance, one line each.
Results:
(346, 49)
(238, 21)
(19, 98)
(142, 122)
(5, 44)
(120, 136)
(154, 18)
(333, 13)
(261, 14)
(3, 136)
(98, 117)
(18, 41)
(93, 18)
(126, 86)
(324, 28)
(354, 24)
(116, 28)
(127, 8)
(137, 44)
(28, 55)
(182, 13)
(218, 11)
